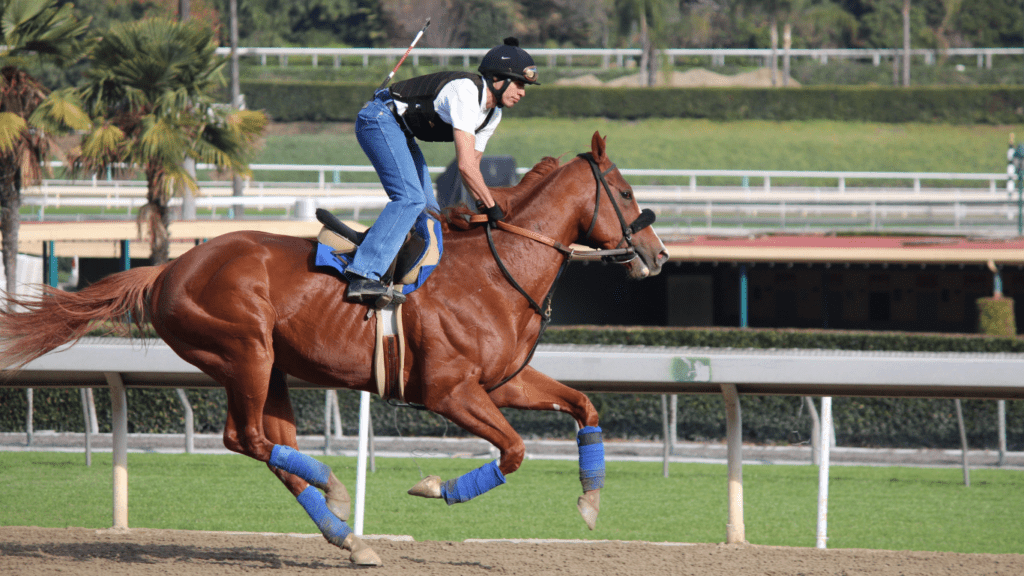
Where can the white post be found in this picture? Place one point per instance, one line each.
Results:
(189, 421)
(735, 531)
(963, 442)
(119, 427)
(88, 436)
(364, 441)
(28, 417)
(327, 422)
(93, 422)
(815, 431)
(1001, 409)
(666, 441)
(338, 432)
(825, 443)
(673, 422)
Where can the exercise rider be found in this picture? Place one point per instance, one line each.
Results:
(459, 107)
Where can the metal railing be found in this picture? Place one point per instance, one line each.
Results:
(705, 200)
(552, 56)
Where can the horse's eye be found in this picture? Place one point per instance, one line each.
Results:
(626, 193)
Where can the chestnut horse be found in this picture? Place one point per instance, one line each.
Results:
(247, 308)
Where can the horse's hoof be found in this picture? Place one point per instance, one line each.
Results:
(361, 554)
(338, 500)
(429, 487)
(589, 505)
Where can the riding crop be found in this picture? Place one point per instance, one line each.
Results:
(414, 41)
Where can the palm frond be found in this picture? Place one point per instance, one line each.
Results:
(61, 112)
(12, 130)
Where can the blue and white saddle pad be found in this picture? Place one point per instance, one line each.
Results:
(426, 227)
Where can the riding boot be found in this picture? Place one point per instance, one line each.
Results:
(361, 289)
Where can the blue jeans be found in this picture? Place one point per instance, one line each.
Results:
(403, 172)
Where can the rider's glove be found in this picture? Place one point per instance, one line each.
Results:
(494, 214)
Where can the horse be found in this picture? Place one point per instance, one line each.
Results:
(248, 308)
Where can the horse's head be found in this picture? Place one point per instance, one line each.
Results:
(615, 220)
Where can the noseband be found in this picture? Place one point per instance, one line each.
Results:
(616, 255)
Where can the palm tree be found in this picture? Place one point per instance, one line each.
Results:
(149, 88)
(30, 115)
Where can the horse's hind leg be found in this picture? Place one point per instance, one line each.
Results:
(279, 428)
(532, 390)
(260, 424)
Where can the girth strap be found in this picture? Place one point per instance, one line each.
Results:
(389, 357)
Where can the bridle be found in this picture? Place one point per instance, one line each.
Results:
(616, 255)
(645, 219)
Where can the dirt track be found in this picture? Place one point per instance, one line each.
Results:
(140, 552)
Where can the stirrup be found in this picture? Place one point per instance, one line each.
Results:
(373, 292)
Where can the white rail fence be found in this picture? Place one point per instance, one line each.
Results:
(570, 56)
(627, 369)
(701, 199)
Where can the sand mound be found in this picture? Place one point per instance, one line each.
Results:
(697, 77)
(585, 80)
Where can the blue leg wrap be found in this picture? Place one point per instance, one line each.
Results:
(294, 462)
(591, 447)
(334, 529)
(472, 484)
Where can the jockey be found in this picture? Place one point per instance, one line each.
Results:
(459, 107)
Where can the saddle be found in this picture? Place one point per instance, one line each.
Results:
(418, 256)
(416, 251)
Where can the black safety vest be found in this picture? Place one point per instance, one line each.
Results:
(419, 94)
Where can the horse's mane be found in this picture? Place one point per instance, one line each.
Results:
(456, 216)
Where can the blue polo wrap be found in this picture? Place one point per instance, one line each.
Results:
(332, 527)
(472, 484)
(591, 447)
(294, 462)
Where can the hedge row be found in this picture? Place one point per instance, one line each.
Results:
(881, 422)
(764, 338)
(340, 102)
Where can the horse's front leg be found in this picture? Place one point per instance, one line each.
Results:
(468, 406)
(532, 390)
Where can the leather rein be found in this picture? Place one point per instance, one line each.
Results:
(618, 255)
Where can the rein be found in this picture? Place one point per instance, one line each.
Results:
(618, 255)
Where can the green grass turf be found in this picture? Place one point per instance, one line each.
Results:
(884, 508)
(695, 144)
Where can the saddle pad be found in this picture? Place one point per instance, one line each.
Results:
(329, 253)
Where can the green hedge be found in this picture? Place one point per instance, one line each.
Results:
(340, 102)
(886, 422)
(881, 422)
(775, 338)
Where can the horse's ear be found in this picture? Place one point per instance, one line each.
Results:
(597, 146)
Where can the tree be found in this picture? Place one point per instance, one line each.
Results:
(149, 92)
(991, 22)
(30, 115)
(650, 16)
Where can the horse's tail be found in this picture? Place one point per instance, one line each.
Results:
(31, 327)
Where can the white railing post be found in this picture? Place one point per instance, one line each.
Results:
(735, 531)
(189, 421)
(119, 427)
(825, 441)
(364, 444)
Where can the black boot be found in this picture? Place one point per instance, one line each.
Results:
(362, 289)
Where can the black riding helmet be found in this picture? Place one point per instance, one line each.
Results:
(509, 62)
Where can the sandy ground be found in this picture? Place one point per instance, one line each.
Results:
(697, 77)
(140, 552)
